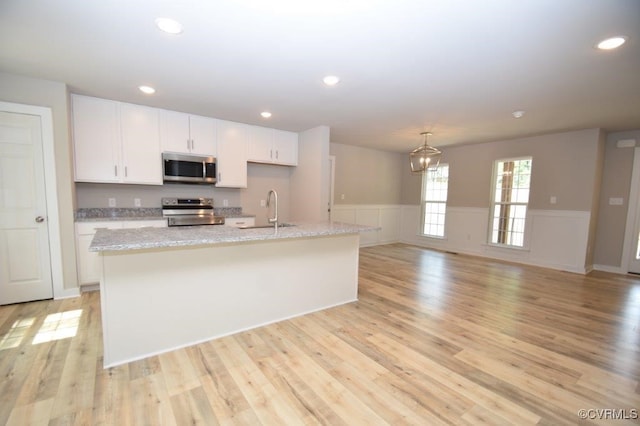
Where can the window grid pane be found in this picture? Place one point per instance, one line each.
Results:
(511, 196)
(434, 206)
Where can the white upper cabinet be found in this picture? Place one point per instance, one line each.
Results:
(115, 142)
(231, 160)
(260, 144)
(272, 146)
(187, 133)
(96, 139)
(141, 156)
(285, 147)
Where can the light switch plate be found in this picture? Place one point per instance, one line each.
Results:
(626, 143)
(112, 202)
(616, 201)
(136, 202)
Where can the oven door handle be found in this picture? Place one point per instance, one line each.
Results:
(204, 170)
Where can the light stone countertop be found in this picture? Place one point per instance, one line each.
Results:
(181, 236)
(119, 219)
(142, 213)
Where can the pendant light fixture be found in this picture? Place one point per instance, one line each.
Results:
(424, 157)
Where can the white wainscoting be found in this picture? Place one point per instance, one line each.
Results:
(559, 239)
(384, 216)
(555, 239)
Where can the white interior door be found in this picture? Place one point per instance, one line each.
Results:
(25, 263)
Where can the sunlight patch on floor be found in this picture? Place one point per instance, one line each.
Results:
(18, 330)
(58, 326)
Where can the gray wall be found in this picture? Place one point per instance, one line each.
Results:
(29, 91)
(583, 169)
(616, 183)
(565, 165)
(260, 179)
(97, 194)
(367, 176)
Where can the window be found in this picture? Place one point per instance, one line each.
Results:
(511, 183)
(435, 183)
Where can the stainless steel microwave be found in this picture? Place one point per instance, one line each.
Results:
(188, 168)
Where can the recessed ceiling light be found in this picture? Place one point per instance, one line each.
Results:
(148, 90)
(517, 114)
(331, 80)
(611, 43)
(168, 25)
(265, 114)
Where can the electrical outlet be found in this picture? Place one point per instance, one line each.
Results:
(136, 202)
(263, 203)
(342, 196)
(225, 203)
(112, 202)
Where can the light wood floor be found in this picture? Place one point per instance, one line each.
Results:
(435, 338)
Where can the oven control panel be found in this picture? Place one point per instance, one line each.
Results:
(190, 202)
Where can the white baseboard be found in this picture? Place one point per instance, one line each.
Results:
(609, 268)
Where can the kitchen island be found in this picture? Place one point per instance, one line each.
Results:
(167, 288)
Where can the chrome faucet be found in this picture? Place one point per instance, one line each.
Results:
(274, 219)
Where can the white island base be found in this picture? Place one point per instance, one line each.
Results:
(160, 299)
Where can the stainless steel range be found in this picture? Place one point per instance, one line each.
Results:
(190, 211)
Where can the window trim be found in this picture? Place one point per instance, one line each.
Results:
(423, 209)
(492, 204)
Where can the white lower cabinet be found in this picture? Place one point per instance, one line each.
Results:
(238, 222)
(89, 266)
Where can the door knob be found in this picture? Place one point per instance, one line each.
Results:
(39, 219)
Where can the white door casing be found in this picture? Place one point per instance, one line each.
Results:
(630, 259)
(25, 264)
(332, 178)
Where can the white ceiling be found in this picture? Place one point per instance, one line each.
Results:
(458, 68)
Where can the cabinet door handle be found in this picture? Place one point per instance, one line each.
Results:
(115, 168)
(220, 177)
(125, 171)
(271, 153)
(277, 154)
